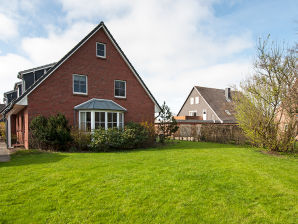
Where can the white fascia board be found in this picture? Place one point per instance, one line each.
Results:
(23, 101)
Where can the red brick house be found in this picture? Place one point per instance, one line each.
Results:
(94, 85)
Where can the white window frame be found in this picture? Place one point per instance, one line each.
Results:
(197, 100)
(191, 100)
(204, 110)
(190, 113)
(106, 118)
(228, 112)
(123, 97)
(79, 93)
(105, 50)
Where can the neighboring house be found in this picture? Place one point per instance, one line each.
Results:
(94, 85)
(208, 105)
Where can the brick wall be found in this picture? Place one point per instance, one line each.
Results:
(55, 94)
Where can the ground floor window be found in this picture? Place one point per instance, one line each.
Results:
(90, 120)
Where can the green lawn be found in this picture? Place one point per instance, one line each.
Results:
(187, 182)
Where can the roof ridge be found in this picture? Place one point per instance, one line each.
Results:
(208, 87)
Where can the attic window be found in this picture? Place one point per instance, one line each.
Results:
(228, 112)
(100, 50)
(191, 100)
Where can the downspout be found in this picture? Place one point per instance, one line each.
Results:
(8, 131)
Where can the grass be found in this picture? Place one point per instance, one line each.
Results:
(187, 182)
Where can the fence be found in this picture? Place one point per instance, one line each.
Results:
(211, 132)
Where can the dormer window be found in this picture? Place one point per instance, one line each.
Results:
(80, 84)
(100, 50)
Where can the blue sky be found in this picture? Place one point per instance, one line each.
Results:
(174, 44)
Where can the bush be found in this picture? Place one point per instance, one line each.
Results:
(80, 140)
(50, 133)
(134, 135)
(2, 130)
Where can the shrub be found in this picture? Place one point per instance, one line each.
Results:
(50, 133)
(2, 130)
(134, 135)
(80, 140)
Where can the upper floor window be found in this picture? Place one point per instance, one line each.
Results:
(80, 84)
(191, 100)
(120, 88)
(100, 50)
(197, 100)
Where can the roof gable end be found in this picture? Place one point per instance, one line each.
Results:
(84, 40)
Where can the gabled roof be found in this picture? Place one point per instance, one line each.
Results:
(217, 101)
(62, 60)
(99, 104)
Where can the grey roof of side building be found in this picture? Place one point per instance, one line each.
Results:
(36, 68)
(100, 104)
(217, 101)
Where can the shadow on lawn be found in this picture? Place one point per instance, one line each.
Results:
(23, 158)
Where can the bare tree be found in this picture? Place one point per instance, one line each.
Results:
(268, 100)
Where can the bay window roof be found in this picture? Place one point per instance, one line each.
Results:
(100, 104)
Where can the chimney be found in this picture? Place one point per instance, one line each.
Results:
(228, 94)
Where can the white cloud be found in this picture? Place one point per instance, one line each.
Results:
(10, 65)
(8, 27)
(174, 45)
(44, 50)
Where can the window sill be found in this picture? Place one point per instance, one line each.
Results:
(120, 97)
(80, 94)
(101, 57)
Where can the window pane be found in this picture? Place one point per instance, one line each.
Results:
(100, 49)
(88, 116)
(110, 117)
(97, 116)
(102, 117)
(122, 85)
(110, 125)
(114, 117)
(80, 84)
(122, 92)
(76, 86)
(117, 92)
(83, 121)
(120, 88)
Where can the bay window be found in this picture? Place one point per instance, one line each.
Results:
(90, 120)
